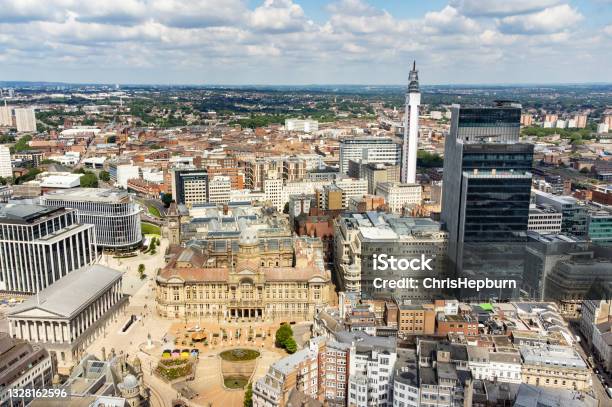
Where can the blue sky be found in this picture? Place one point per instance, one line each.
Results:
(306, 41)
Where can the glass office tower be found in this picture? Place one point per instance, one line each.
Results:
(486, 190)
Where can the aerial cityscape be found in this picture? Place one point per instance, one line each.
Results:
(298, 204)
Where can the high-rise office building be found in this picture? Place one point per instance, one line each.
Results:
(25, 119)
(190, 186)
(113, 212)
(6, 116)
(39, 245)
(411, 128)
(6, 168)
(486, 192)
(372, 149)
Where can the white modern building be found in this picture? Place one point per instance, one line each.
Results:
(6, 115)
(126, 172)
(25, 119)
(113, 212)
(219, 188)
(370, 149)
(544, 220)
(6, 168)
(40, 245)
(399, 196)
(303, 125)
(70, 314)
(371, 376)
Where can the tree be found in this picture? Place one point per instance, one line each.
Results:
(584, 170)
(286, 208)
(89, 180)
(104, 176)
(141, 271)
(290, 345)
(166, 199)
(282, 334)
(248, 396)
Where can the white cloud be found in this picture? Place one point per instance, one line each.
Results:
(278, 16)
(547, 21)
(354, 42)
(500, 8)
(448, 20)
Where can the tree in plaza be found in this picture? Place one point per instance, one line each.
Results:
(290, 345)
(282, 334)
(89, 180)
(104, 176)
(141, 270)
(248, 396)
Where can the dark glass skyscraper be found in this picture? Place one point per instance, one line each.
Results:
(486, 190)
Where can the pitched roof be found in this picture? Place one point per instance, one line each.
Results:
(67, 296)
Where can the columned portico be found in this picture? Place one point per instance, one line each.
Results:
(67, 327)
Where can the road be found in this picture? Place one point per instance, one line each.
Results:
(599, 390)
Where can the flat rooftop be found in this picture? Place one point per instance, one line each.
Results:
(105, 195)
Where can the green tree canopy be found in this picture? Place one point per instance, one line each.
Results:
(282, 334)
(104, 176)
(89, 180)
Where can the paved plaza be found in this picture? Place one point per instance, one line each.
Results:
(163, 334)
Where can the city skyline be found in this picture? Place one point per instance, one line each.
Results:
(284, 42)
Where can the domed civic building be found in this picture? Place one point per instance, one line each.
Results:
(258, 281)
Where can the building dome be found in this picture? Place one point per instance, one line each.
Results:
(248, 237)
(130, 382)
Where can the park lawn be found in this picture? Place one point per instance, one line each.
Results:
(154, 211)
(150, 229)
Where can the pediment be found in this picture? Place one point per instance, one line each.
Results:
(35, 312)
(317, 279)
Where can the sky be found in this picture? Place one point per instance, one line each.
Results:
(298, 42)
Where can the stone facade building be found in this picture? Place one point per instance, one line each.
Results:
(254, 282)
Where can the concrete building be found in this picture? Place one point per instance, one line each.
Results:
(298, 371)
(25, 120)
(113, 212)
(411, 128)
(372, 149)
(301, 125)
(190, 186)
(544, 220)
(444, 374)
(371, 373)
(71, 313)
(126, 172)
(529, 395)
(358, 237)
(6, 167)
(542, 253)
(399, 196)
(374, 173)
(22, 366)
(219, 189)
(6, 115)
(574, 214)
(39, 245)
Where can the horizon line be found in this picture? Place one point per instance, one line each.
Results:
(508, 84)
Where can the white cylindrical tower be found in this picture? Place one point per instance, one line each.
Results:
(411, 128)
